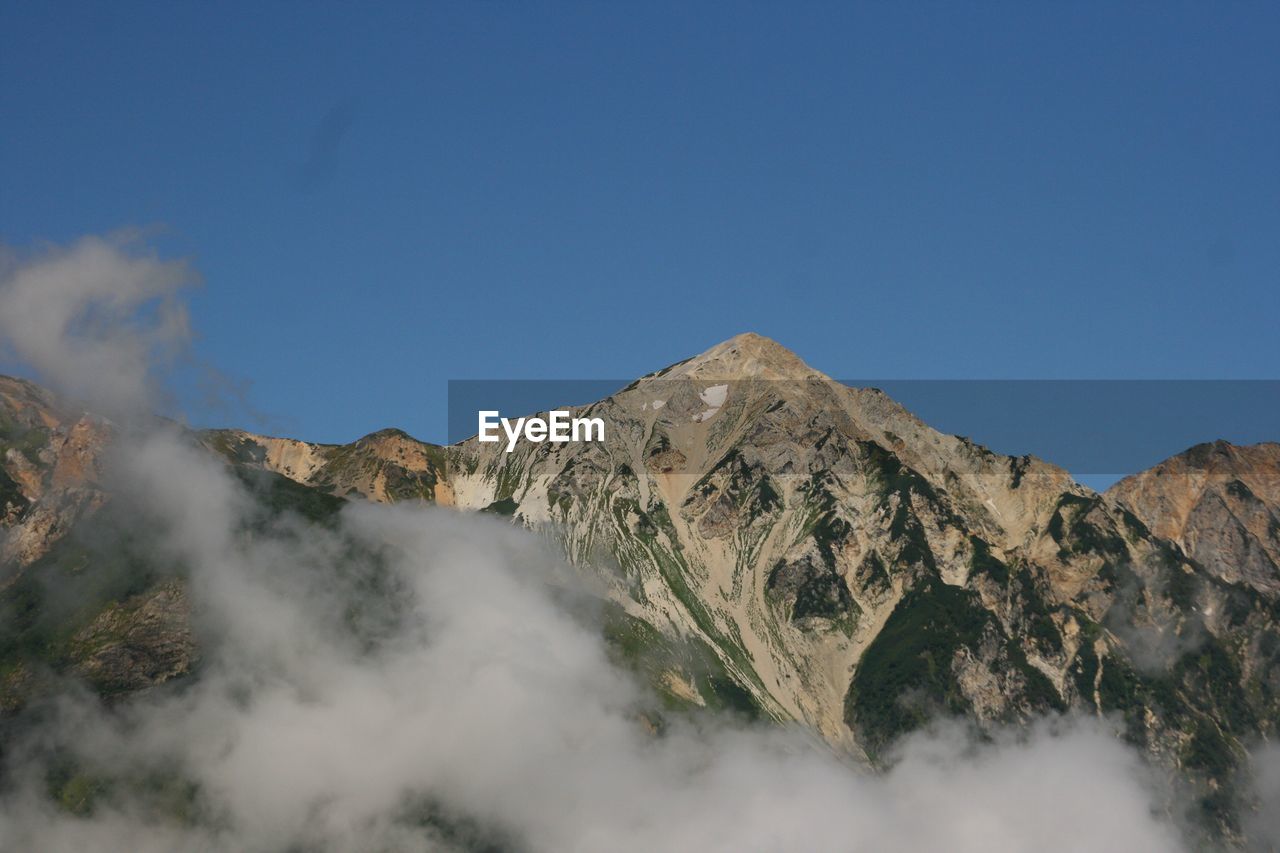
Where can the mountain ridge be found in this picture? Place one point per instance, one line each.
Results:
(1217, 502)
(814, 553)
(915, 482)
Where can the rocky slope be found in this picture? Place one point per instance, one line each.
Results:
(78, 595)
(49, 474)
(1218, 503)
(775, 542)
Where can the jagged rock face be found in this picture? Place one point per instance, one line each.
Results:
(1220, 504)
(138, 643)
(49, 460)
(750, 501)
(831, 559)
(861, 572)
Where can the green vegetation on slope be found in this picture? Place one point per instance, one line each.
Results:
(905, 674)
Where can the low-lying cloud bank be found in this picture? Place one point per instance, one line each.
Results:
(484, 699)
(409, 679)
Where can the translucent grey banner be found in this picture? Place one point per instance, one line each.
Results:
(1093, 428)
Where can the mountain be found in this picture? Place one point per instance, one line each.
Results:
(1218, 503)
(49, 476)
(771, 542)
(76, 590)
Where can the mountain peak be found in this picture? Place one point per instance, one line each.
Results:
(745, 356)
(1215, 500)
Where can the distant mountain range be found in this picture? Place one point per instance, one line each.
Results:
(769, 542)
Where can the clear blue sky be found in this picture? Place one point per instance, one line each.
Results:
(381, 198)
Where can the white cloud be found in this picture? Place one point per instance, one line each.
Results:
(94, 318)
(1263, 786)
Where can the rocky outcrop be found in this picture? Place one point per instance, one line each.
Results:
(138, 643)
(49, 469)
(1220, 504)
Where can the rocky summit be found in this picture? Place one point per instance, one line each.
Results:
(769, 541)
(1217, 502)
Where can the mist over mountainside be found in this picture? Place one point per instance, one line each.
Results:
(857, 571)
(778, 590)
(849, 428)
(770, 544)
